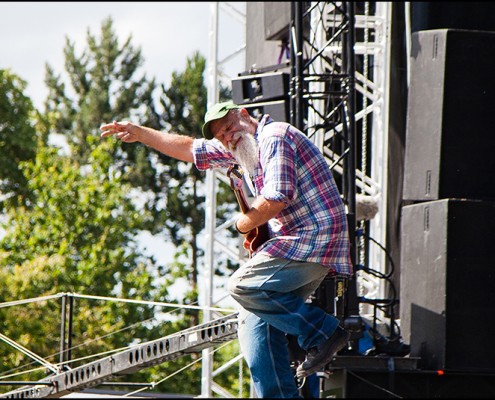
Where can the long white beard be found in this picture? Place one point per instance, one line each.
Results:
(246, 152)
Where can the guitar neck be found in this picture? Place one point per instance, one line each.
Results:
(258, 235)
(241, 199)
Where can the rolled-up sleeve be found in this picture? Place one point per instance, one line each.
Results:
(209, 154)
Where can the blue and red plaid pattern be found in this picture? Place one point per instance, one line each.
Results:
(313, 225)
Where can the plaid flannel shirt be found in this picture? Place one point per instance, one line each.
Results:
(313, 225)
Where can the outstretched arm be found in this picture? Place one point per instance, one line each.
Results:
(171, 144)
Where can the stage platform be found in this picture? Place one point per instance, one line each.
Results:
(399, 377)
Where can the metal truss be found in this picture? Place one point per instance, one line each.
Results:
(340, 59)
(335, 107)
(144, 355)
(214, 243)
(338, 96)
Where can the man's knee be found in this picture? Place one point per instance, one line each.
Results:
(240, 292)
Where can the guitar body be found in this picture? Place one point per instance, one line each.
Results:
(256, 238)
(259, 235)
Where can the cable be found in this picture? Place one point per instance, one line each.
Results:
(359, 233)
(392, 342)
(33, 300)
(175, 373)
(154, 303)
(29, 353)
(59, 295)
(374, 385)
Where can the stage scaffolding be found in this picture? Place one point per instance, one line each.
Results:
(219, 12)
(339, 79)
(340, 57)
(338, 97)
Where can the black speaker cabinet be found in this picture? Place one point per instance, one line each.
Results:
(278, 110)
(450, 128)
(477, 15)
(260, 87)
(447, 296)
(372, 384)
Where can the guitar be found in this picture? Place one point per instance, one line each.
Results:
(259, 235)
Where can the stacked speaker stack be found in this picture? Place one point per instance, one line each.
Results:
(447, 305)
(264, 87)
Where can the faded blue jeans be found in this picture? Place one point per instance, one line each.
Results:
(272, 293)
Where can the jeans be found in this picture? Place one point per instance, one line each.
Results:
(272, 293)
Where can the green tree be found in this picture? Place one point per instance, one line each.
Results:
(183, 215)
(77, 231)
(76, 235)
(18, 138)
(184, 105)
(106, 83)
(104, 87)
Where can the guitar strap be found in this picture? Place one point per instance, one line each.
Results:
(249, 182)
(248, 178)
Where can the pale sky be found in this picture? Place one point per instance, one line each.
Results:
(33, 33)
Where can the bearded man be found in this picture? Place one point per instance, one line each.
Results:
(297, 196)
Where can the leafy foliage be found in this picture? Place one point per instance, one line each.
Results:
(105, 85)
(71, 220)
(77, 235)
(18, 138)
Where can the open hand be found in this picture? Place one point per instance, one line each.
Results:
(125, 131)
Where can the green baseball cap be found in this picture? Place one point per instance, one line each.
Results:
(216, 111)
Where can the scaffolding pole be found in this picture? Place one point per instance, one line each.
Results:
(214, 74)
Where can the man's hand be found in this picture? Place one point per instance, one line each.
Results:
(125, 131)
(172, 144)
